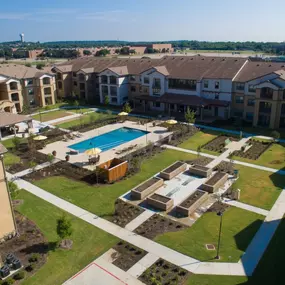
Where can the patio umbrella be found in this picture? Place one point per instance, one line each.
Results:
(171, 122)
(123, 114)
(40, 138)
(93, 151)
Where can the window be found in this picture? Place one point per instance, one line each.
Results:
(209, 108)
(104, 90)
(156, 83)
(185, 84)
(172, 106)
(145, 90)
(132, 78)
(249, 116)
(15, 97)
(141, 90)
(217, 96)
(81, 77)
(59, 85)
(113, 80)
(104, 79)
(59, 76)
(74, 74)
(133, 89)
(251, 88)
(29, 82)
(266, 93)
(156, 104)
(240, 86)
(239, 99)
(13, 86)
(114, 100)
(74, 83)
(217, 84)
(82, 86)
(113, 91)
(31, 91)
(146, 80)
(47, 91)
(264, 107)
(250, 102)
(206, 83)
(46, 81)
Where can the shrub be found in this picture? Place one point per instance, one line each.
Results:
(20, 275)
(9, 281)
(34, 258)
(30, 267)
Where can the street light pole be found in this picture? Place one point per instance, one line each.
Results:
(220, 232)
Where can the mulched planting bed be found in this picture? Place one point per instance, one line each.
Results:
(160, 198)
(173, 167)
(255, 151)
(157, 225)
(213, 180)
(146, 184)
(218, 207)
(30, 246)
(164, 273)
(192, 199)
(202, 160)
(226, 167)
(129, 255)
(93, 125)
(125, 213)
(218, 143)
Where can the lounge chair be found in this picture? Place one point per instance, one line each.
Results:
(65, 139)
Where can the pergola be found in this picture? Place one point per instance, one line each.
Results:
(10, 120)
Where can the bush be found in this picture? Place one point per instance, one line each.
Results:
(34, 258)
(20, 275)
(9, 281)
(30, 267)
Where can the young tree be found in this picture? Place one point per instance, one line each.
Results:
(13, 189)
(63, 228)
(127, 108)
(40, 66)
(33, 164)
(86, 52)
(199, 148)
(16, 142)
(275, 135)
(76, 104)
(190, 117)
(50, 158)
(106, 100)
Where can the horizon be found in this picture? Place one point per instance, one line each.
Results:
(149, 21)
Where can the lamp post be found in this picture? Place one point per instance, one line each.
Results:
(220, 213)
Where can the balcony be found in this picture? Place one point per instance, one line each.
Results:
(113, 80)
(13, 86)
(264, 108)
(47, 91)
(266, 93)
(46, 81)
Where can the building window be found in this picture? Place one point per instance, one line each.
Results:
(251, 88)
(74, 74)
(46, 81)
(250, 102)
(13, 86)
(113, 91)
(239, 99)
(104, 90)
(217, 84)
(265, 107)
(59, 76)
(59, 85)
(113, 80)
(29, 82)
(217, 96)
(185, 84)
(132, 78)
(172, 107)
(141, 90)
(74, 83)
(145, 90)
(156, 83)
(133, 89)
(266, 93)
(146, 80)
(47, 91)
(82, 86)
(249, 116)
(104, 79)
(31, 91)
(114, 100)
(15, 97)
(157, 104)
(206, 83)
(81, 77)
(240, 86)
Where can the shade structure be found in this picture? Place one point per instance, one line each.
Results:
(123, 114)
(93, 151)
(171, 122)
(40, 138)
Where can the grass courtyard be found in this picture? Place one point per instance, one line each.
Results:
(239, 227)
(89, 242)
(100, 200)
(52, 115)
(85, 119)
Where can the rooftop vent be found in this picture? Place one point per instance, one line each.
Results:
(258, 64)
(236, 60)
(213, 59)
(269, 65)
(203, 58)
(282, 65)
(191, 58)
(181, 58)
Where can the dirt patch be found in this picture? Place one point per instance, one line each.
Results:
(202, 160)
(218, 143)
(225, 166)
(257, 148)
(129, 255)
(125, 213)
(164, 273)
(27, 245)
(157, 225)
(218, 207)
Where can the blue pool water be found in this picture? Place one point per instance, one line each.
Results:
(109, 140)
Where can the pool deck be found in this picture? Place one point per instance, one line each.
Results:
(81, 159)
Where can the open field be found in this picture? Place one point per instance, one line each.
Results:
(89, 242)
(44, 117)
(239, 227)
(100, 200)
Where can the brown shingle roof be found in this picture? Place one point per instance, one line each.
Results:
(7, 119)
(256, 69)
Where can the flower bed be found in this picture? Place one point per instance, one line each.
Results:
(218, 143)
(200, 170)
(215, 182)
(173, 170)
(164, 272)
(160, 202)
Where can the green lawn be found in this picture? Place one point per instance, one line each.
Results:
(44, 117)
(77, 110)
(199, 139)
(10, 159)
(85, 119)
(270, 269)
(89, 242)
(239, 227)
(100, 200)
(274, 157)
(259, 188)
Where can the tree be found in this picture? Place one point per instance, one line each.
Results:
(40, 66)
(275, 135)
(28, 64)
(63, 228)
(76, 104)
(190, 117)
(86, 52)
(106, 100)
(13, 189)
(50, 158)
(102, 52)
(125, 50)
(16, 141)
(32, 164)
(132, 51)
(199, 148)
(150, 50)
(26, 109)
(127, 108)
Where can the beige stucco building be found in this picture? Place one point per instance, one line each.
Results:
(7, 221)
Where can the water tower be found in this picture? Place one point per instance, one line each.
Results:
(22, 36)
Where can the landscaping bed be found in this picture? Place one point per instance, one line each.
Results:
(129, 255)
(218, 207)
(257, 148)
(30, 247)
(226, 167)
(88, 126)
(164, 273)
(202, 160)
(218, 143)
(160, 202)
(157, 225)
(125, 213)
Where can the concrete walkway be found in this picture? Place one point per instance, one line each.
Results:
(132, 225)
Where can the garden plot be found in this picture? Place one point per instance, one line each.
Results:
(218, 144)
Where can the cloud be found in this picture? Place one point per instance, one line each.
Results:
(14, 16)
(55, 11)
(109, 16)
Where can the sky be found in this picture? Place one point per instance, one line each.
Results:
(143, 20)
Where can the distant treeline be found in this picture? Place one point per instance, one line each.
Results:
(263, 47)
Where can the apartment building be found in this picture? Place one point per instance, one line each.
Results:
(7, 221)
(21, 85)
(215, 87)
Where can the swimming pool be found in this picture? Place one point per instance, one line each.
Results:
(109, 140)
